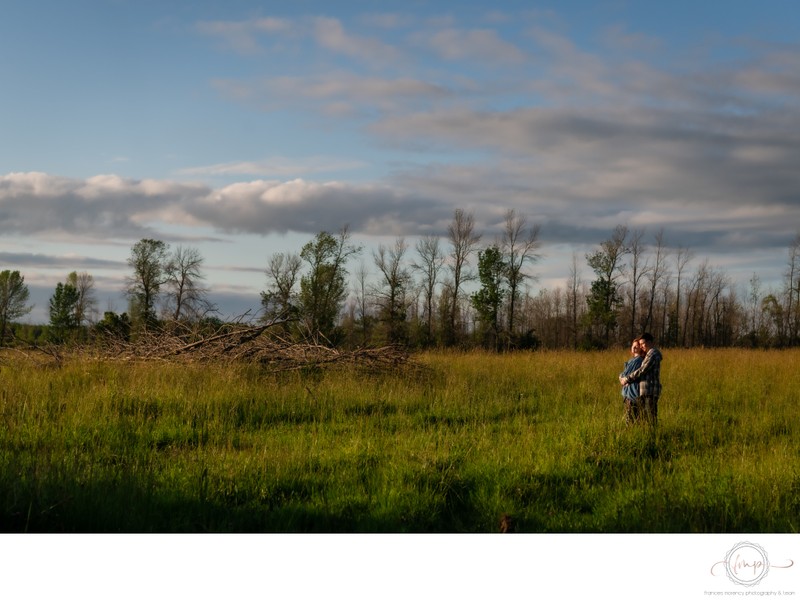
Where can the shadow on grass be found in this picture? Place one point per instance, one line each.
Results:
(602, 492)
(128, 505)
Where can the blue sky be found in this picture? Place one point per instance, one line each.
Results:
(243, 128)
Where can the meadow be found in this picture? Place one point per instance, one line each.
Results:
(448, 443)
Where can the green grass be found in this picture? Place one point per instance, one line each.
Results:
(445, 446)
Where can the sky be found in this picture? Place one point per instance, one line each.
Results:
(244, 128)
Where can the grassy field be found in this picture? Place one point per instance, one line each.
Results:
(447, 445)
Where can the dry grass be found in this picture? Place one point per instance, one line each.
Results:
(447, 443)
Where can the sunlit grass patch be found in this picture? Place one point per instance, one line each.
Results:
(446, 445)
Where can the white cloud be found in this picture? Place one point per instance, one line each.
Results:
(330, 34)
(621, 38)
(577, 139)
(272, 25)
(483, 45)
(348, 92)
(243, 36)
(238, 36)
(580, 209)
(263, 207)
(386, 20)
(102, 206)
(250, 37)
(357, 88)
(68, 261)
(276, 167)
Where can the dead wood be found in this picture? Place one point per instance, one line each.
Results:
(265, 344)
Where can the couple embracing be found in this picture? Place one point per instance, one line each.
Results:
(641, 381)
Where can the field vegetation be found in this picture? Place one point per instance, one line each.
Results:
(449, 442)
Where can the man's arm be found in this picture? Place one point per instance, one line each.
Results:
(650, 361)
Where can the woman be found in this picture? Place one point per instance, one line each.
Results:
(630, 392)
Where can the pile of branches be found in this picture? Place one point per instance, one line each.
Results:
(267, 344)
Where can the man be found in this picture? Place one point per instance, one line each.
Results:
(648, 375)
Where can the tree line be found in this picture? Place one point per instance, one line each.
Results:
(453, 291)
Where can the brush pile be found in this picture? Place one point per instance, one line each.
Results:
(263, 344)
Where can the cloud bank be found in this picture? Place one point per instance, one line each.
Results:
(577, 136)
(508, 113)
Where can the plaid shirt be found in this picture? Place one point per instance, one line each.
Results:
(649, 374)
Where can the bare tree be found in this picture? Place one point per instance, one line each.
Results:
(638, 269)
(520, 245)
(392, 293)
(186, 297)
(754, 308)
(362, 300)
(655, 275)
(87, 303)
(665, 291)
(463, 240)
(793, 290)
(279, 300)
(682, 258)
(719, 326)
(572, 297)
(700, 297)
(431, 259)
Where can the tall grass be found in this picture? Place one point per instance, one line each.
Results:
(446, 445)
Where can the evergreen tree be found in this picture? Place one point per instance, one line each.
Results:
(14, 296)
(63, 315)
